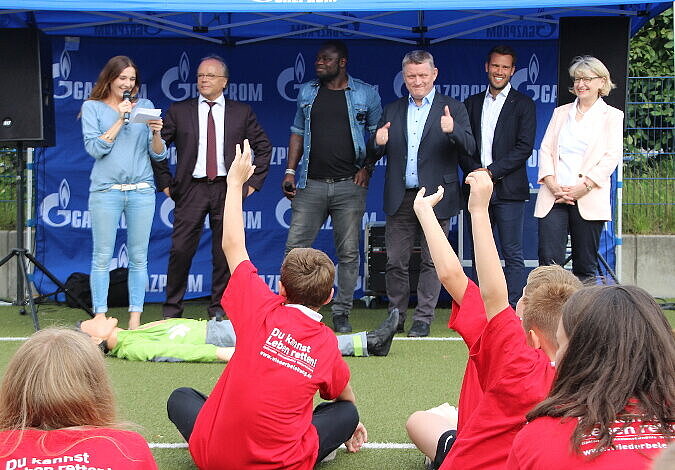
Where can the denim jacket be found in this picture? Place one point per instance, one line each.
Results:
(364, 109)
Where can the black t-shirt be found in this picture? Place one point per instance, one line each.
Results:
(332, 154)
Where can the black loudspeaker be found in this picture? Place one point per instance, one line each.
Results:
(376, 261)
(603, 37)
(26, 88)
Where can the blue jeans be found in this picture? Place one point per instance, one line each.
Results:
(345, 202)
(106, 207)
(507, 219)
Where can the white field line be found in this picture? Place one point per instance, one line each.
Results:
(403, 338)
(367, 445)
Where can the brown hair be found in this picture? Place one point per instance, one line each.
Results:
(620, 348)
(109, 73)
(547, 289)
(307, 275)
(56, 379)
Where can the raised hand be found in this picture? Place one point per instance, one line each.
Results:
(382, 134)
(422, 201)
(481, 191)
(242, 168)
(447, 122)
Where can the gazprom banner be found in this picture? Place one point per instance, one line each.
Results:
(267, 77)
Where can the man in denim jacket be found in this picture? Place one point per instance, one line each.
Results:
(327, 153)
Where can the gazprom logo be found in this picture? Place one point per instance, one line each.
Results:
(544, 93)
(55, 213)
(175, 80)
(533, 68)
(290, 78)
(399, 85)
(54, 208)
(65, 88)
(165, 211)
(65, 64)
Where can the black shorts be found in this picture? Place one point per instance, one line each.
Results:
(444, 445)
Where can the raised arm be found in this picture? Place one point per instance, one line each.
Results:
(234, 240)
(488, 266)
(448, 266)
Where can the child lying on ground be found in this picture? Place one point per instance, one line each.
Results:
(185, 339)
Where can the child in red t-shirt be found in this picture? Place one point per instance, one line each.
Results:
(259, 414)
(611, 406)
(509, 368)
(57, 406)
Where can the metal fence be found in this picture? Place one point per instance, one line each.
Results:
(8, 175)
(649, 156)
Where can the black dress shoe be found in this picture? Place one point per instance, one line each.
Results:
(419, 329)
(379, 341)
(341, 324)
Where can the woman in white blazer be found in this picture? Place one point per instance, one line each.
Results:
(581, 149)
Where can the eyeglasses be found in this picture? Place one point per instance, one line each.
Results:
(208, 76)
(586, 80)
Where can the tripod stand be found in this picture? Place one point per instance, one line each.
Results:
(24, 289)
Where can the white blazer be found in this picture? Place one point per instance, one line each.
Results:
(600, 160)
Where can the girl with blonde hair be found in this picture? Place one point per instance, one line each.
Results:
(57, 406)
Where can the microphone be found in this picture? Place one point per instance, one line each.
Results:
(126, 96)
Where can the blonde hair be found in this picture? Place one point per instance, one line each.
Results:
(56, 379)
(546, 291)
(587, 64)
(307, 275)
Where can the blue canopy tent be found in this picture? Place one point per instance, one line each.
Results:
(269, 45)
(241, 22)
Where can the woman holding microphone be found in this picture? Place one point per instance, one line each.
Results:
(581, 149)
(121, 179)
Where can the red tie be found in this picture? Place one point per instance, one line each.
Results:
(211, 154)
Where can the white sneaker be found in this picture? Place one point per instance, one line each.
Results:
(446, 411)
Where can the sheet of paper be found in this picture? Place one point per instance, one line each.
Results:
(144, 114)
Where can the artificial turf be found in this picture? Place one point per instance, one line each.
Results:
(416, 375)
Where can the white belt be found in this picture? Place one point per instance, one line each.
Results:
(130, 187)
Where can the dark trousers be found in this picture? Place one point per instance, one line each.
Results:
(585, 236)
(506, 218)
(201, 198)
(400, 233)
(335, 422)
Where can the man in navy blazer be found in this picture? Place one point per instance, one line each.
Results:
(199, 190)
(504, 123)
(424, 135)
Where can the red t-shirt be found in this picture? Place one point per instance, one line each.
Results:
(469, 321)
(76, 449)
(513, 378)
(545, 443)
(259, 415)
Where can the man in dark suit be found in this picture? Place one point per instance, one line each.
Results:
(205, 131)
(504, 123)
(423, 134)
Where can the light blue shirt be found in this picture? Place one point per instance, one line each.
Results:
(127, 158)
(417, 117)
